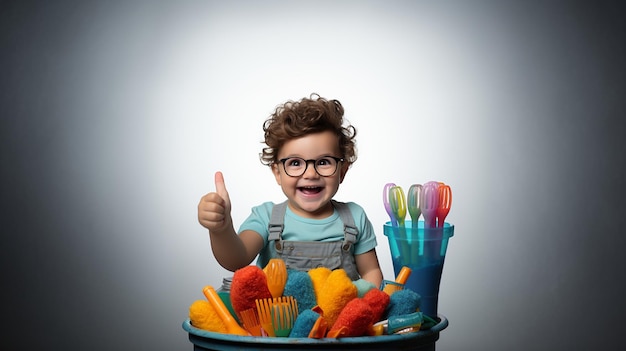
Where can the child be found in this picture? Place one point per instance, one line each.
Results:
(309, 151)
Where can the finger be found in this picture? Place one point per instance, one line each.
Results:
(220, 186)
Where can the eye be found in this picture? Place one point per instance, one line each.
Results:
(325, 161)
(293, 162)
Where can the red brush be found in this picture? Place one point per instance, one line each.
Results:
(378, 301)
(355, 319)
(249, 284)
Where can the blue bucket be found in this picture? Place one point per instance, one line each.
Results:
(423, 340)
(423, 250)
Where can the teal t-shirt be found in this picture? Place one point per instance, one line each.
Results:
(297, 228)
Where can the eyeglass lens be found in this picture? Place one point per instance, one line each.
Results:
(324, 166)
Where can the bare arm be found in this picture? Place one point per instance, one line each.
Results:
(369, 268)
(232, 251)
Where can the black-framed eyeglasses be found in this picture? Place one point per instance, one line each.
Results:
(324, 166)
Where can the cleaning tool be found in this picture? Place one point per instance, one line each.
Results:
(277, 315)
(249, 284)
(398, 324)
(265, 317)
(363, 286)
(318, 277)
(250, 321)
(354, 320)
(428, 322)
(203, 316)
(276, 273)
(224, 294)
(232, 327)
(401, 279)
(320, 327)
(378, 301)
(304, 323)
(403, 302)
(300, 286)
(338, 290)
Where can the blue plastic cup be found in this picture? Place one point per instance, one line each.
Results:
(424, 251)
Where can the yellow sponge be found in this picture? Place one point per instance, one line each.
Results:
(337, 291)
(318, 277)
(203, 316)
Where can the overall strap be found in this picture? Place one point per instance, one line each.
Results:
(277, 221)
(350, 230)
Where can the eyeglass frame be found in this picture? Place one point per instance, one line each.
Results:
(314, 161)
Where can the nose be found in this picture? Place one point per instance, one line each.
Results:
(310, 168)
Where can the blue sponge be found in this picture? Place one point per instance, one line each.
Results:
(304, 323)
(403, 302)
(300, 286)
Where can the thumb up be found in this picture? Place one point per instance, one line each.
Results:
(214, 207)
(220, 188)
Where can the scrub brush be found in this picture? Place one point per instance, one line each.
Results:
(249, 284)
(338, 290)
(203, 316)
(378, 301)
(300, 286)
(403, 302)
(318, 278)
(354, 320)
(304, 323)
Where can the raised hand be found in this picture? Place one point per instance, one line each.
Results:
(214, 208)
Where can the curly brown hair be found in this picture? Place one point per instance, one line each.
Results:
(295, 119)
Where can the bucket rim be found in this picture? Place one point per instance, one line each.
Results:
(443, 323)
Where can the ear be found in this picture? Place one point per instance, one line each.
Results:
(276, 171)
(343, 171)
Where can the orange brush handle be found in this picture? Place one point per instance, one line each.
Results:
(401, 279)
(403, 275)
(231, 324)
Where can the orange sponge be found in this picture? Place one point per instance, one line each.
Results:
(203, 316)
(318, 277)
(337, 291)
(249, 284)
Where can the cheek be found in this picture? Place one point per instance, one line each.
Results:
(339, 181)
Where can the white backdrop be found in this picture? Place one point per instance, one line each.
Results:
(117, 115)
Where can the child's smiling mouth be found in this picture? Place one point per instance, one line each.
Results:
(310, 190)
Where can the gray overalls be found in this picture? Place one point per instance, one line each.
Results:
(305, 255)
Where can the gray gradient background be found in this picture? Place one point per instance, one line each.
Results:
(116, 115)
